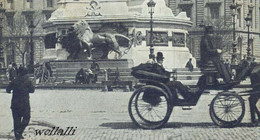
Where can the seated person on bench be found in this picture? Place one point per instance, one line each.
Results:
(81, 77)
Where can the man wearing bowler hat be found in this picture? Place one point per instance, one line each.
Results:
(159, 58)
(184, 91)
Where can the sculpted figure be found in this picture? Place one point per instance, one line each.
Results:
(80, 41)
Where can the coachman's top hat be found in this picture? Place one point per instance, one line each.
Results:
(159, 55)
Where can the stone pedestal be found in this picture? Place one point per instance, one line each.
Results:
(67, 69)
(133, 19)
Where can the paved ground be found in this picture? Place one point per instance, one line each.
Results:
(103, 115)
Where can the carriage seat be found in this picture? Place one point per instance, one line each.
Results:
(141, 74)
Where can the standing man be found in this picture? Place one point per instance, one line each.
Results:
(95, 69)
(20, 105)
(13, 72)
(210, 52)
(189, 65)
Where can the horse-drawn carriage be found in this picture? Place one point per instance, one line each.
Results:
(152, 102)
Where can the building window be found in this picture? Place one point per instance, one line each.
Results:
(49, 3)
(47, 16)
(29, 17)
(250, 12)
(30, 2)
(240, 47)
(251, 43)
(214, 11)
(10, 21)
(239, 17)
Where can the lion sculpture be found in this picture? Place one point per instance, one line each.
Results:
(80, 41)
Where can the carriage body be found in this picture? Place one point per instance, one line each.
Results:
(152, 102)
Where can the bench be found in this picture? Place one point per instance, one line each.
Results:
(113, 79)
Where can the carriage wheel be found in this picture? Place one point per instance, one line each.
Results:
(37, 75)
(45, 77)
(152, 113)
(41, 76)
(227, 109)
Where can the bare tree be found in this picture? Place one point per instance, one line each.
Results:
(18, 31)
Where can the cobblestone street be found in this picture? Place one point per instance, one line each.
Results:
(104, 115)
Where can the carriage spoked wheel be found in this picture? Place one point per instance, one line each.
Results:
(41, 75)
(149, 107)
(227, 109)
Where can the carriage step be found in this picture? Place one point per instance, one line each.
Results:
(186, 108)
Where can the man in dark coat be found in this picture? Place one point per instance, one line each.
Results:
(95, 69)
(81, 77)
(20, 105)
(13, 72)
(172, 84)
(209, 52)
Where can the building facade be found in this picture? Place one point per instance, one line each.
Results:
(213, 10)
(16, 31)
(197, 10)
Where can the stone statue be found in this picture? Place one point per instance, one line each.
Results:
(80, 41)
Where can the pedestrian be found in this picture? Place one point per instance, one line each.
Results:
(20, 104)
(189, 65)
(95, 69)
(13, 72)
(8, 71)
(81, 77)
(90, 76)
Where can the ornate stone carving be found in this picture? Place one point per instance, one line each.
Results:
(93, 9)
(178, 39)
(139, 38)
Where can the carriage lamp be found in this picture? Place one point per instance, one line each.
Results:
(233, 7)
(2, 12)
(248, 19)
(31, 28)
(151, 4)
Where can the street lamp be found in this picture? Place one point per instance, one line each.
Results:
(31, 28)
(2, 12)
(248, 19)
(151, 5)
(233, 7)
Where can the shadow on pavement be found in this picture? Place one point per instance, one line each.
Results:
(130, 125)
(119, 125)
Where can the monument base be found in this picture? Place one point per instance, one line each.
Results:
(65, 70)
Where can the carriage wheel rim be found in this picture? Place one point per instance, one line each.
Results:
(229, 110)
(233, 110)
(142, 122)
(151, 112)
